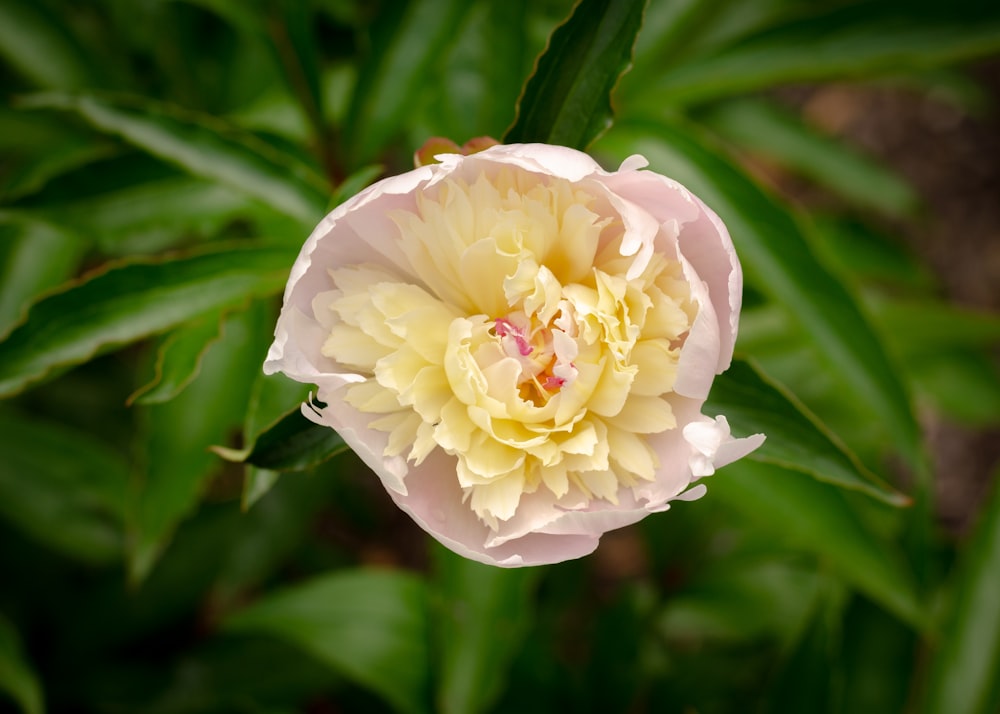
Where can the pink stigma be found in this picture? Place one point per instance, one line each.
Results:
(505, 328)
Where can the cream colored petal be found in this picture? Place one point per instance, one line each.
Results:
(645, 415)
(353, 348)
(632, 453)
(499, 497)
(656, 365)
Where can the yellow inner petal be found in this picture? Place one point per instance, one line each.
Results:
(518, 345)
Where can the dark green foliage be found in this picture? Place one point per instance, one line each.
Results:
(162, 162)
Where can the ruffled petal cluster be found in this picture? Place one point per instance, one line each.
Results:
(519, 344)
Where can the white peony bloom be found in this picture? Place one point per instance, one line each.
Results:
(519, 344)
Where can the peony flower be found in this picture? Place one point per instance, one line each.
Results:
(519, 344)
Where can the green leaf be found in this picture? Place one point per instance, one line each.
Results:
(131, 301)
(763, 128)
(36, 151)
(742, 597)
(807, 677)
(178, 360)
(204, 146)
(150, 215)
(816, 517)
(780, 263)
(39, 47)
(16, 677)
(963, 671)
(291, 28)
(35, 256)
(861, 253)
(62, 488)
(369, 625)
(293, 443)
(909, 323)
(796, 439)
(407, 40)
(173, 463)
(483, 614)
(857, 41)
(567, 100)
(876, 661)
(355, 183)
(483, 74)
(961, 383)
(245, 675)
(272, 397)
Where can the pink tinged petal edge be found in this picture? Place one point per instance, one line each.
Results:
(436, 505)
(712, 445)
(699, 357)
(707, 244)
(368, 444)
(558, 161)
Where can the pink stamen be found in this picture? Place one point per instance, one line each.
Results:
(505, 328)
(554, 382)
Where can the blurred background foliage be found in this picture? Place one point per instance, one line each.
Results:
(162, 161)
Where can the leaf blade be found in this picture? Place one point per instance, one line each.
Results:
(817, 518)
(854, 41)
(16, 677)
(130, 301)
(293, 443)
(567, 99)
(963, 671)
(796, 439)
(483, 614)
(407, 39)
(201, 145)
(370, 625)
(62, 488)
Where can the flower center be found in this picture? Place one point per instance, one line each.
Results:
(545, 369)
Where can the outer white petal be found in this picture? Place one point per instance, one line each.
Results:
(546, 159)
(437, 506)
(712, 445)
(699, 357)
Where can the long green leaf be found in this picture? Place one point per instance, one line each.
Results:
(860, 40)
(780, 263)
(484, 72)
(408, 38)
(152, 214)
(272, 397)
(40, 48)
(62, 488)
(132, 301)
(482, 615)
(567, 100)
(762, 128)
(179, 360)
(202, 145)
(16, 677)
(369, 625)
(816, 517)
(35, 256)
(963, 674)
(37, 149)
(796, 439)
(173, 463)
(293, 443)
